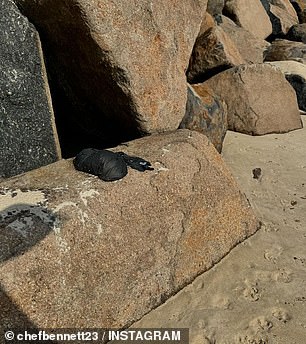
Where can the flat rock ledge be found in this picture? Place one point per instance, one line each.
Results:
(79, 252)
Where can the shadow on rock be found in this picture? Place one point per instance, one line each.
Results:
(21, 227)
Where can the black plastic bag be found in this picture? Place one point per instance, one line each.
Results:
(108, 166)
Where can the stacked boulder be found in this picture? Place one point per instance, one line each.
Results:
(181, 76)
(257, 96)
(118, 71)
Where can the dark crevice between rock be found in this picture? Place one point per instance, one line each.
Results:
(273, 37)
(277, 31)
(299, 85)
(90, 94)
(298, 10)
(230, 15)
(202, 77)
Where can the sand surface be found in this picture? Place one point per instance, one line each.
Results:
(257, 293)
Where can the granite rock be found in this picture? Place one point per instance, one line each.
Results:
(97, 254)
(213, 52)
(300, 8)
(248, 14)
(215, 8)
(297, 33)
(282, 16)
(205, 113)
(250, 47)
(28, 137)
(295, 73)
(283, 49)
(119, 64)
(302, 17)
(259, 99)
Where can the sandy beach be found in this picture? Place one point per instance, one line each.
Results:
(257, 293)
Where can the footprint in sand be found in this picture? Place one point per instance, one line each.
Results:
(283, 276)
(201, 339)
(198, 284)
(256, 333)
(221, 302)
(202, 334)
(251, 339)
(273, 253)
(260, 324)
(281, 314)
(251, 292)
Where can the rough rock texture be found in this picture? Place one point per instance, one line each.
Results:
(282, 15)
(205, 113)
(248, 14)
(28, 137)
(215, 7)
(297, 33)
(282, 49)
(79, 252)
(213, 51)
(120, 63)
(259, 99)
(250, 47)
(295, 73)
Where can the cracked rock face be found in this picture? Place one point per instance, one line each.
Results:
(117, 250)
(259, 99)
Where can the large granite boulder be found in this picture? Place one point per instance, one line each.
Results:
(282, 15)
(259, 99)
(79, 252)
(205, 113)
(283, 49)
(28, 138)
(248, 14)
(250, 47)
(213, 51)
(120, 65)
(295, 73)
